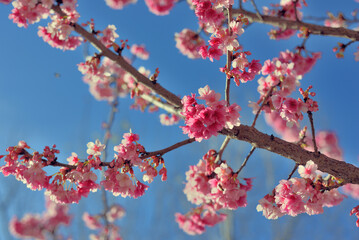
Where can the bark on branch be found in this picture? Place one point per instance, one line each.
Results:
(348, 172)
(290, 24)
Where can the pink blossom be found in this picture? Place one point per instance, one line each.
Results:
(73, 159)
(270, 211)
(203, 122)
(108, 35)
(309, 170)
(299, 195)
(29, 227)
(189, 42)
(140, 51)
(96, 148)
(169, 120)
(352, 190)
(39, 226)
(160, 7)
(356, 212)
(191, 224)
(119, 4)
(115, 212)
(92, 222)
(6, 1)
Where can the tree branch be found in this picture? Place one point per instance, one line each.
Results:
(348, 172)
(290, 24)
(104, 51)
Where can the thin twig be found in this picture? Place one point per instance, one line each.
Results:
(246, 160)
(256, 9)
(106, 140)
(293, 171)
(269, 93)
(290, 24)
(229, 58)
(295, 10)
(310, 115)
(168, 149)
(223, 147)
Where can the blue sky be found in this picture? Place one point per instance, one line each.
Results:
(42, 109)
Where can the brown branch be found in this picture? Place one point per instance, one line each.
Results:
(348, 172)
(290, 24)
(104, 51)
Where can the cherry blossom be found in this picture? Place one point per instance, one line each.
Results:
(309, 170)
(213, 186)
(109, 35)
(96, 148)
(203, 122)
(160, 7)
(140, 51)
(119, 4)
(41, 226)
(189, 42)
(300, 195)
(169, 120)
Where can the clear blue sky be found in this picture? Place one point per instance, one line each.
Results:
(42, 109)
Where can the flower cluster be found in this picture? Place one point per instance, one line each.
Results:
(287, 9)
(41, 227)
(120, 178)
(160, 7)
(283, 77)
(140, 51)
(203, 122)
(223, 39)
(109, 231)
(106, 79)
(29, 12)
(189, 42)
(169, 120)
(77, 179)
(210, 15)
(214, 186)
(356, 212)
(108, 36)
(57, 32)
(194, 222)
(300, 195)
(119, 4)
(243, 70)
